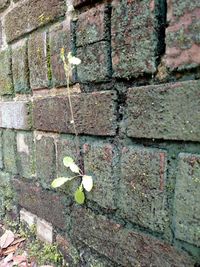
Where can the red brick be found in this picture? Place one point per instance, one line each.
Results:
(182, 41)
(94, 113)
(167, 111)
(124, 246)
(31, 14)
(45, 204)
(93, 25)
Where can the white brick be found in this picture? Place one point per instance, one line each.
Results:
(27, 217)
(14, 115)
(44, 231)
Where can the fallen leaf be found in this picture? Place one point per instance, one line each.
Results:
(10, 249)
(6, 239)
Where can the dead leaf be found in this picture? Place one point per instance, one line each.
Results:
(19, 259)
(10, 249)
(19, 240)
(6, 239)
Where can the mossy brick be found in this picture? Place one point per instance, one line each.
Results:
(45, 204)
(94, 113)
(67, 147)
(10, 151)
(6, 86)
(5, 194)
(30, 15)
(93, 25)
(186, 202)
(167, 111)
(95, 62)
(182, 35)
(134, 37)
(99, 163)
(60, 36)
(142, 197)
(16, 115)
(20, 69)
(38, 60)
(4, 4)
(1, 37)
(45, 159)
(25, 154)
(122, 245)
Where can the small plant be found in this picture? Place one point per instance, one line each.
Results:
(86, 183)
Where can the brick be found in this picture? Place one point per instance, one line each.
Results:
(45, 159)
(6, 86)
(27, 217)
(69, 252)
(33, 14)
(141, 197)
(59, 37)
(187, 195)
(1, 35)
(26, 154)
(38, 61)
(157, 111)
(4, 4)
(44, 231)
(66, 146)
(182, 35)
(15, 115)
(94, 113)
(93, 25)
(45, 204)
(98, 162)
(136, 54)
(95, 62)
(10, 151)
(5, 195)
(20, 69)
(124, 246)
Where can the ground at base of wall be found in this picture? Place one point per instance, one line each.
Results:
(21, 248)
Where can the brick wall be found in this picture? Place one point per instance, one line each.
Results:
(136, 101)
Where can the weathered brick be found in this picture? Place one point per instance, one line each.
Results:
(10, 151)
(141, 196)
(182, 34)
(169, 111)
(122, 245)
(38, 60)
(93, 25)
(45, 159)
(27, 217)
(20, 69)
(5, 194)
(1, 37)
(134, 37)
(45, 204)
(94, 113)
(95, 62)
(4, 4)
(15, 115)
(26, 154)
(6, 86)
(59, 37)
(44, 231)
(187, 195)
(99, 162)
(66, 146)
(32, 14)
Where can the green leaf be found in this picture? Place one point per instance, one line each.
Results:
(79, 196)
(87, 182)
(67, 161)
(74, 168)
(60, 181)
